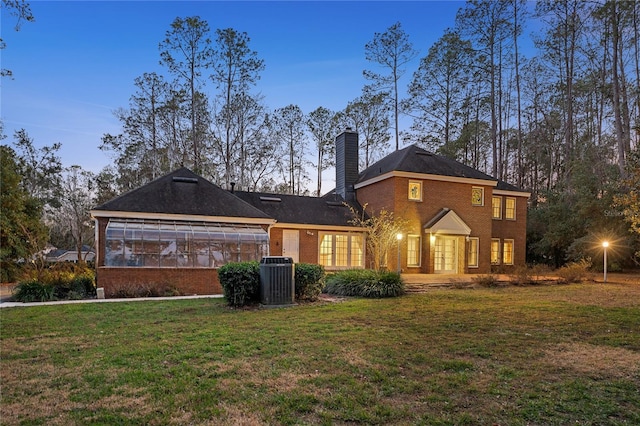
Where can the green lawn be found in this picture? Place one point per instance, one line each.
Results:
(510, 356)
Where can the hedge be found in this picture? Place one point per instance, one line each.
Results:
(365, 283)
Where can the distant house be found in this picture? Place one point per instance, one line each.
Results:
(178, 229)
(61, 255)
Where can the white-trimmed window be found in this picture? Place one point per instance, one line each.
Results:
(477, 196)
(510, 208)
(496, 207)
(507, 252)
(413, 250)
(474, 246)
(341, 250)
(495, 251)
(415, 190)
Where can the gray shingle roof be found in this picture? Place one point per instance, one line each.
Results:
(328, 210)
(504, 186)
(414, 159)
(182, 192)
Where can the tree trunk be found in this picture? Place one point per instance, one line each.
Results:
(617, 106)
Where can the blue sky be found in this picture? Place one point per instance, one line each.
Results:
(77, 62)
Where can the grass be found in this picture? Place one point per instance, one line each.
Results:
(516, 355)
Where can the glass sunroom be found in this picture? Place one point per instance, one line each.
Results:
(176, 244)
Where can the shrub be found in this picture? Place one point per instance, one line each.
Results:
(309, 281)
(33, 291)
(522, 275)
(240, 282)
(84, 284)
(527, 275)
(365, 283)
(131, 290)
(488, 280)
(62, 281)
(574, 272)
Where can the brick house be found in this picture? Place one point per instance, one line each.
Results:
(178, 229)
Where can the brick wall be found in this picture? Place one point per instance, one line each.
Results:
(307, 240)
(309, 245)
(275, 242)
(187, 281)
(513, 229)
(392, 194)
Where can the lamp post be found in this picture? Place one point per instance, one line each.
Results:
(399, 237)
(605, 244)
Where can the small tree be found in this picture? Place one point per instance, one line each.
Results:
(382, 230)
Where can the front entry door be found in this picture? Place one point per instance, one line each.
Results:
(290, 244)
(446, 255)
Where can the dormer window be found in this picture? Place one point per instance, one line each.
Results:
(415, 190)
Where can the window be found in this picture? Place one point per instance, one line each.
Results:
(413, 250)
(472, 259)
(341, 253)
(169, 244)
(507, 252)
(477, 196)
(343, 250)
(496, 207)
(495, 251)
(357, 251)
(510, 208)
(415, 190)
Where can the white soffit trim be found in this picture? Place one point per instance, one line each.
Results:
(511, 193)
(425, 176)
(181, 217)
(317, 227)
(449, 224)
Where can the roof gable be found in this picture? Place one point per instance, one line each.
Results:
(182, 192)
(447, 222)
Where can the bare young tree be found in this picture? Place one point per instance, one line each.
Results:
(73, 216)
(382, 228)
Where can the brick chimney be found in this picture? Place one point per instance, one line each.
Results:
(346, 164)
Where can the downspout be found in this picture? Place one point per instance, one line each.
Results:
(269, 235)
